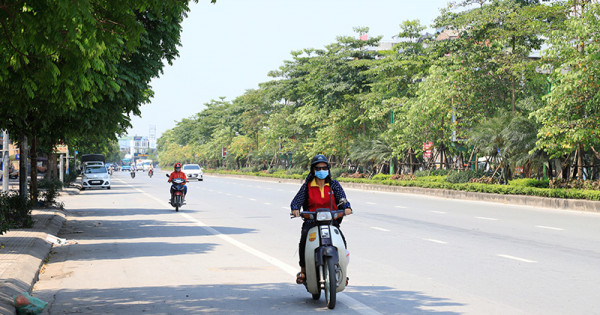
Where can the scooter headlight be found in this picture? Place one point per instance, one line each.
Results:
(323, 216)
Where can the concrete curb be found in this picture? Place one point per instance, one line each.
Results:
(22, 274)
(532, 201)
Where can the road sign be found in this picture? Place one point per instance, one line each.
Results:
(61, 149)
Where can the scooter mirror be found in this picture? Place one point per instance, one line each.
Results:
(167, 175)
(342, 202)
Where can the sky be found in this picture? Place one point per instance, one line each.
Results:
(230, 47)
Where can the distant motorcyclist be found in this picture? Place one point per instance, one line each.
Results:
(179, 174)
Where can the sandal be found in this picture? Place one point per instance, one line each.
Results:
(300, 278)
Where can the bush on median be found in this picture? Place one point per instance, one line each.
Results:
(529, 187)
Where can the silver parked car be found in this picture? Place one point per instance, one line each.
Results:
(192, 171)
(95, 176)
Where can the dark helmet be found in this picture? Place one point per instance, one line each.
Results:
(319, 158)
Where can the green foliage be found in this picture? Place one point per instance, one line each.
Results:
(381, 177)
(530, 182)
(434, 172)
(15, 212)
(463, 176)
(50, 190)
(364, 109)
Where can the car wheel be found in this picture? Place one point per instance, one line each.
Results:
(108, 187)
(82, 188)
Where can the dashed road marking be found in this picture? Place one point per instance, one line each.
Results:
(345, 299)
(549, 228)
(486, 218)
(380, 229)
(268, 203)
(370, 203)
(401, 207)
(434, 241)
(439, 212)
(251, 199)
(516, 258)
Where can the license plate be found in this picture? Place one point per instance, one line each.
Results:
(96, 182)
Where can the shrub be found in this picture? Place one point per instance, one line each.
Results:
(437, 172)
(295, 170)
(404, 177)
(484, 180)
(381, 176)
(530, 182)
(463, 176)
(336, 171)
(354, 175)
(15, 212)
(50, 190)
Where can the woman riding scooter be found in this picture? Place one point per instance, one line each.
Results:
(315, 194)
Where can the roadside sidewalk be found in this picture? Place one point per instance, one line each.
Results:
(23, 251)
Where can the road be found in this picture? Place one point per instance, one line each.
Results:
(233, 250)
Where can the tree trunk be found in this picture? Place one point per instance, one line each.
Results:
(580, 162)
(52, 173)
(33, 163)
(410, 152)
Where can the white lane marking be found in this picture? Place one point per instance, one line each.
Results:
(268, 203)
(370, 203)
(516, 258)
(439, 212)
(486, 218)
(401, 207)
(379, 229)
(350, 302)
(251, 199)
(228, 194)
(435, 241)
(549, 227)
(240, 196)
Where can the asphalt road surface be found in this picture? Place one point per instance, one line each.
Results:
(232, 249)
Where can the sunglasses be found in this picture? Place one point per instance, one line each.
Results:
(321, 168)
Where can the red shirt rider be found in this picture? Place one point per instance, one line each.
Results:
(178, 174)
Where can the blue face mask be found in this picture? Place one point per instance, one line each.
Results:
(322, 174)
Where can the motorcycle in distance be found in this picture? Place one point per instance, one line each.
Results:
(325, 255)
(132, 171)
(177, 191)
(150, 173)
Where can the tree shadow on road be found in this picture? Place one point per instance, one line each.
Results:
(262, 298)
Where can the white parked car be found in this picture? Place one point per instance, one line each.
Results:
(192, 171)
(95, 176)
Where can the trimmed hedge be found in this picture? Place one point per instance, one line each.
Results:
(529, 187)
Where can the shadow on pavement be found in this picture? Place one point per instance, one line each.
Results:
(133, 229)
(263, 298)
(110, 251)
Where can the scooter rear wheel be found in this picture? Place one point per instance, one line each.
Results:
(330, 282)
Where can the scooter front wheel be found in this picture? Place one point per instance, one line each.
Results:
(330, 282)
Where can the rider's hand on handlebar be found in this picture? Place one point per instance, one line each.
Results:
(295, 213)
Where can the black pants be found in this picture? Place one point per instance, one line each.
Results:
(307, 225)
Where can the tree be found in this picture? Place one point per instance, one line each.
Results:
(571, 118)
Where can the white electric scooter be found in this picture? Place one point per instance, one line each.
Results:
(325, 255)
